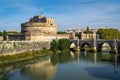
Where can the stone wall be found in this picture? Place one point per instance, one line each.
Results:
(1, 38)
(14, 47)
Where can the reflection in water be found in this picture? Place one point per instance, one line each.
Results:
(103, 73)
(85, 53)
(106, 71)
(116, 63)
(75, 56)
(78, 54)
(61, 58)
(39, 68)
(40, 71)
(64, 66)
(72, 54)
(4, 77)
(95, 58)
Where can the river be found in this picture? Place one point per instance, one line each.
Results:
(65, 66)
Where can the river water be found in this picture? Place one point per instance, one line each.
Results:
(65, 66)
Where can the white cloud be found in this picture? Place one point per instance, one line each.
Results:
(79, 13)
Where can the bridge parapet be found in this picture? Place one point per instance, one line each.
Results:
(98, 44)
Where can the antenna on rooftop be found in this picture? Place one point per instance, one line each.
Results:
(41, 13)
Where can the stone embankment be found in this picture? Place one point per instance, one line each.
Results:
(15, 47)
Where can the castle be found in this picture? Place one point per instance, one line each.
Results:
(37, 28)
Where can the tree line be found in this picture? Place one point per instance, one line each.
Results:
(5, 34)
(108, 33)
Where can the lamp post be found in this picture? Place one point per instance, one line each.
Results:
(78, 43)
(94, 46)
(116, 45)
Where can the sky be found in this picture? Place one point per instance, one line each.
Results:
(68, 14)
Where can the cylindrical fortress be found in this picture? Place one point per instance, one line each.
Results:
(38, 26)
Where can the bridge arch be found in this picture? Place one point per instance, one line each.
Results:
(72, 45)
(118, 47)
(104, 45)
(85, 45)
(97, 45)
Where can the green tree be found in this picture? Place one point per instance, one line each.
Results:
(13, 32)
(4, 34)
(88, 29)
(61, 44)
(0, 33)
(54, 45)
(64, 44)
(109, 34)
(61, 32)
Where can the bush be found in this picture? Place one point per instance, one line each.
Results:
(64, 44)
(54, 45)
(61, 44)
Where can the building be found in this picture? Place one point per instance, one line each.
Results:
(83, 34)
(1, 37)
(37, 28)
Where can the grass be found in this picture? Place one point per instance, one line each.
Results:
(23, 56)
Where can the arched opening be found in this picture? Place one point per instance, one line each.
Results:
(85, 47)
(118, 48)
(72, 45)
(104, 47)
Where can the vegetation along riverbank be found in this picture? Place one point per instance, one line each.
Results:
(56, 46)
(23, 56)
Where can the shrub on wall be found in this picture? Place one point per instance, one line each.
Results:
(54, 45)
(61, 44)
(64, 44)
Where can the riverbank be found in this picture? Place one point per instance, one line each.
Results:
(23, 56)
(20, 50)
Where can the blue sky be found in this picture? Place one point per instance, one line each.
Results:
(68, 14)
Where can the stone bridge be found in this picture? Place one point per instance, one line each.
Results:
(97, 44)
